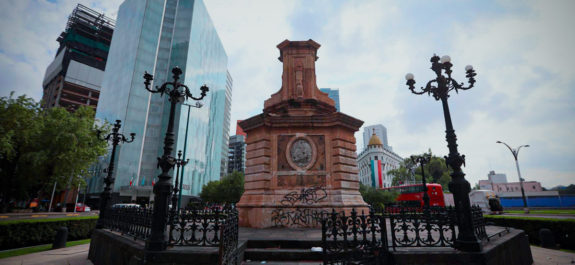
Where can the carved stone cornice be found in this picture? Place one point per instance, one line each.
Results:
(276, 121)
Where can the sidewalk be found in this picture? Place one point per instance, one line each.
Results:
(42, 215)
(545, 256)
(78, 255)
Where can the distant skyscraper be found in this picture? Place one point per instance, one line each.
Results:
(237, 154)
(155, 36)
(333, 94)
(227, 119)
(75, 76)
(380, 131)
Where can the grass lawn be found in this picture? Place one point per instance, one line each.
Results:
(546, 218)
(17, 221)
(556, 211)
(29, 250)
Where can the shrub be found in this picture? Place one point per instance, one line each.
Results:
(375, 197)
(563, 229)
(23, 233)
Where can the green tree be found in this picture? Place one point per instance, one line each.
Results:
(375, 197)
(67, 146)
(38, 147)
(227, 190)
(20, 127)
(565, 190)
(400, 175)
(436, 171)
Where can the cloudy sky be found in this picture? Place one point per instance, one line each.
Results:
(523, 52)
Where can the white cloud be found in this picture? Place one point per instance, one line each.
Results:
(28, 33)
(527, 92)
(367, 47)
(250, 31)
(523, 54)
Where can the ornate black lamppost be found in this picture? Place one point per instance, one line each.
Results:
(515, 153)
(115, 138)
(179, 163)
(459, 186)
(177, 93)
(422, 160)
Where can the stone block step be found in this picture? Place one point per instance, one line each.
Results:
(282, 254)
(282, 263)
(283, 244)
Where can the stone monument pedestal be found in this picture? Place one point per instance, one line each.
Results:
(301, 160)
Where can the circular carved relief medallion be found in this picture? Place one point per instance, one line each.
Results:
(301, 152)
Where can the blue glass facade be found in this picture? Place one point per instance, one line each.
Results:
(333, 94)
(155, 36)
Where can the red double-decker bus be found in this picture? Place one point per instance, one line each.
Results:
(414, 194)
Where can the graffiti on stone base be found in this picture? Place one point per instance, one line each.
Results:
(304, 217)
(306, 196)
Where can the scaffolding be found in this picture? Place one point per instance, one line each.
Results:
(90, 25)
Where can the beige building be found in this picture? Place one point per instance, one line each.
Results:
(529, 186)
(499, 184)
(375, 161)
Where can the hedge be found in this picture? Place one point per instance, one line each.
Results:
(23, 233)
(563, 229)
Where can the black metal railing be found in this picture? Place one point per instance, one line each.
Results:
(199, 226)
(361, 238)
(205, 225)
(479, 222)
(427, 227)
(228, 250)
(355, 238)
(131, 221)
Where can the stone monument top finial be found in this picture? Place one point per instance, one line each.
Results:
(299, 94)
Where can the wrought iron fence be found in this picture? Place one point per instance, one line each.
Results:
(199, 226)
(479, 222)
(363, 238)
(132, 221)
(353, 239)
(228, 249)
(427, 227)
(207, 225)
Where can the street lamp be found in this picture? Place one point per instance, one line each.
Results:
(439, 88)
(197, 105)
(179, 163)
(177, 93)
(422, 160)
(115, 138)
(515, 153)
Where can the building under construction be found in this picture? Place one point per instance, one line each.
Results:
(75, 76)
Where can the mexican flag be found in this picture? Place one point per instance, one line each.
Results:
(376, 174)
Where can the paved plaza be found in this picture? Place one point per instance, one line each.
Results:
(78, 255)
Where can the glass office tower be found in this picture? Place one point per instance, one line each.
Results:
(333, 94)
(155, 36)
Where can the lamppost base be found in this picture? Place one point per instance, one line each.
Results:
(468, 245)
(526, 210)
